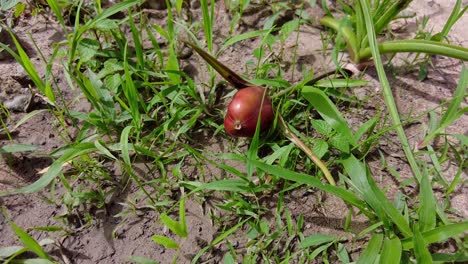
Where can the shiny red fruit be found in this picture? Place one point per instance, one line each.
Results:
(244, 109)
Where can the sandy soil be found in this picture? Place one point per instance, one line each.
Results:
(108, 239)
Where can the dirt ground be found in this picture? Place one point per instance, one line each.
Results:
(109, 239)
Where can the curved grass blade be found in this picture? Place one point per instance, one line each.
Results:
(344, 194)
(165, 241)
(12, 148)
(391, 252)
(55, 168)
(438, 234)
(387, 91)
(417, 45)
(420, 250)
(427, 214)
(371, 253)
(25, 238)
(328, 111)
(373, 195)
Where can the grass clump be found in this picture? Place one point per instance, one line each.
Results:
(146, 110)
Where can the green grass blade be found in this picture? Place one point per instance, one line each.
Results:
(53, 4)
(136, 40)
(316, 240)
(12, 148)
(165, 241)
(454, 17)
(182, 221)
(237, 38)
(420, 249)
(387, 91)
(23, 59)
(362, 179)
(438, 234)
(427, 214)
(125, 144)
(339, 83)
(452, 113)
(344, 194)
(417, 45)
(218, 239)
(328, 111)
(229, 185)
(54, 170)
(99, 146)
(141, 260)
(390, 13)
(173, 225)
(208, 22)
(371, 253)
(25, 238)
(347, 33)
(391, 251)
(132, 95)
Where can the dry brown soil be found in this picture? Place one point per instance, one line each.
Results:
(107, 239)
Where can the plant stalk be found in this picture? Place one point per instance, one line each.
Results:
(418, 45)
(387, 91)
(299, 143)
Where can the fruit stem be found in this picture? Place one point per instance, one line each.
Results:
(295, 139)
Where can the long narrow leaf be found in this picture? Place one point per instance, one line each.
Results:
(328, 111)
(427, 214)
(54, 170)
(371, 253)
(391, 252)
(438, 234)
(374, 195)
(344, 194)
(387, 91)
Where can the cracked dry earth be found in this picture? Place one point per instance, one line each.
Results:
(109, 239)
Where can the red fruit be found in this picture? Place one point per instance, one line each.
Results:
(244, 109)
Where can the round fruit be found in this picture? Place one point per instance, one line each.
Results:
(244, 110)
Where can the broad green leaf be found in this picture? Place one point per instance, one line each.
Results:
(453, 112)
(165, 241)
(328, 111)
(438, 234)
(69, 154)
(99, 146)
(426, 212)
(106, 25)
(7, 4)
(420, 250)
(320, 147)
(344, 194)
(371, 253)
(316, 240)
(125, 144)
(373, 195)
(391, 252)
(182, 221)
(173, 225)
(322, 127)
(7, 252)
(340, 142)
(28, 241)
(218, 239)
(141, 260)
(12, 148)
